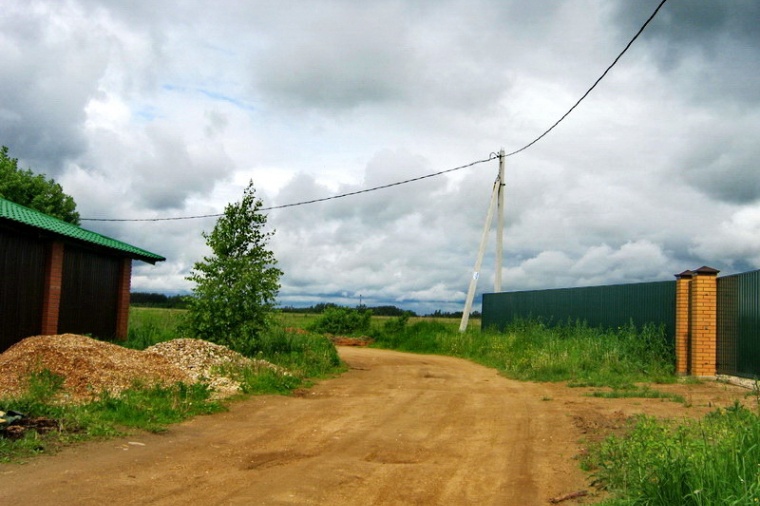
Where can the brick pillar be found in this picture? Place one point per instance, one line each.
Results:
(703, 322)
(122, 301)
(51, 298)
(683, 284)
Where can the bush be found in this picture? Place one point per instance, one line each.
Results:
(342, 321)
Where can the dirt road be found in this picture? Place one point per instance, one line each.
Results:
(395, 429)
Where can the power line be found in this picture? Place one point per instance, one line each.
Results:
(492, 156)
(593, 85)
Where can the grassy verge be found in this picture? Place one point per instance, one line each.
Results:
(715, 460)
(532, 351)
(148, 409)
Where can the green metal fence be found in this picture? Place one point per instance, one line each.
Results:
(609, 306)
(738, 336)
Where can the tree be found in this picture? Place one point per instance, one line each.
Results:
(236, 286)
(34, 191)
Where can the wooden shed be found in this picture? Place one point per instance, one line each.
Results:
(58, 278)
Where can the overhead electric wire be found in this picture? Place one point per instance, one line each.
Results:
(492, 156)
(593, 85)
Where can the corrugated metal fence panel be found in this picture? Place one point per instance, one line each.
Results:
(22, 271)
(607, 306)
(89, 294)
(739, 324)
(728, 325)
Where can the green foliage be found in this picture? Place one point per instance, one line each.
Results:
(149, 408)
(34, 191)
(236, 286)
(149, 326)
(711, 461)
(305, 355)
(342, 321)
(142, 299)
(531, 351)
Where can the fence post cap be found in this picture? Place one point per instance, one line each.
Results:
(706, 271)
(685, 274)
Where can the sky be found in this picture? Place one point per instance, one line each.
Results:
(148, 109)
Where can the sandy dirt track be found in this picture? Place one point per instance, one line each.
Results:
(395, 429)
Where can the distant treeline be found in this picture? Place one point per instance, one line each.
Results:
(376, 311)
(456, 314)
(142, 299)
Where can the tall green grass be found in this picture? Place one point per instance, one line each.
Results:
(529, 350)
(148, 326)
(713, 461)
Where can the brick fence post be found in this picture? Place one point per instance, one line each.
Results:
(122, 300)
(703, 322)
(51, 298)
(683, 285)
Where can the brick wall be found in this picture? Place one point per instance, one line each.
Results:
(122, 303)
(51, 300)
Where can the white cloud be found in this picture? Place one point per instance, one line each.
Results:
(165, 109)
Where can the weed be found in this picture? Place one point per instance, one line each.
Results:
(711, 461)
(644, 392)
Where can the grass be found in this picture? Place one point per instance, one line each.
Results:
(305, 356)
(644, 392)
(715, 460)
(531, 351)
(148, 326)
(150, 409)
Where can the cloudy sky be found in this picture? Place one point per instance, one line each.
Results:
(158, 109)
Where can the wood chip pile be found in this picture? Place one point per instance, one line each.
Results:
(90, 367)
(205, 362)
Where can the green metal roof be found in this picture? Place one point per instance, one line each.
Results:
(18, 213)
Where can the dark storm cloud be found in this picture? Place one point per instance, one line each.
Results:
(725, 169)
(714, 44)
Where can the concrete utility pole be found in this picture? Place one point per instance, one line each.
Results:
(497, 196)
(479, 261)
(500, 225)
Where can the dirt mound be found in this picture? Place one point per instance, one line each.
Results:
(87, 365)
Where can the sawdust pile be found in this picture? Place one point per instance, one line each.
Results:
(89, 366)
(208, 362)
